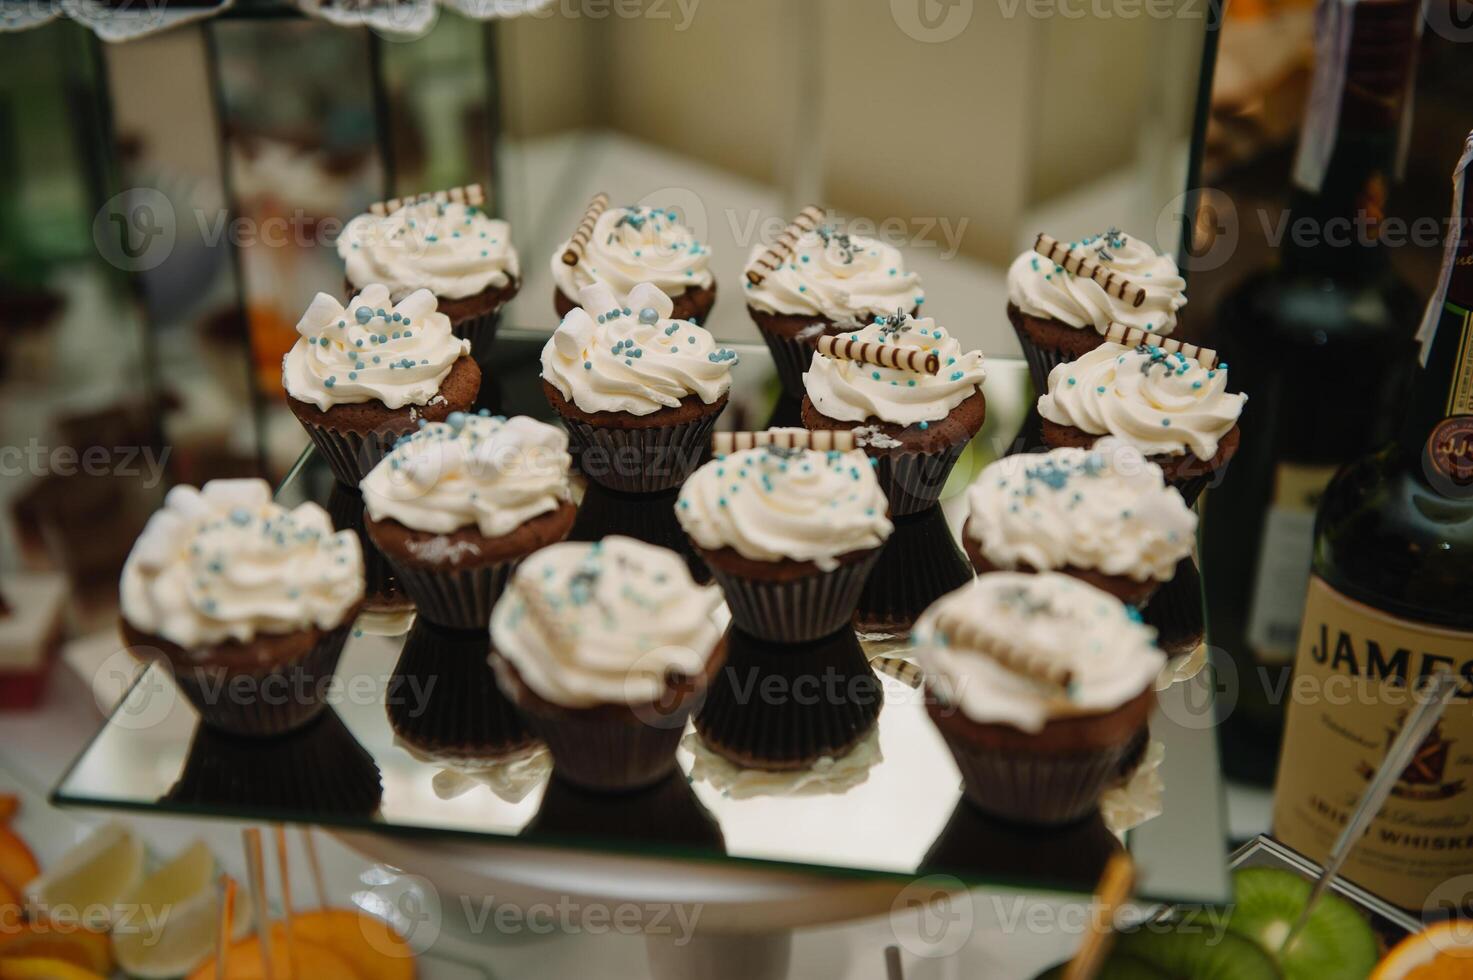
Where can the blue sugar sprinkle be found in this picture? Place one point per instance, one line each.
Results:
(363, 314)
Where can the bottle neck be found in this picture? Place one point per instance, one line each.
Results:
(1335, 231)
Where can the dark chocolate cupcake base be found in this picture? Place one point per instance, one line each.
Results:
(790, 602)
(918, 565)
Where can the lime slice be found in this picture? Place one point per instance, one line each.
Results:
(84, 887)
(172, 918)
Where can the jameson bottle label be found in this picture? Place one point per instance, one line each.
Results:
(1354, 679)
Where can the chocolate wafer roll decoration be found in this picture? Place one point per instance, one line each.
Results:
(881, 355)
(823, 441)
(899, 668)
(1119, 333)
(959, 633)
(770, 261)
(1079, 264)
(470, 195)
(573, 254)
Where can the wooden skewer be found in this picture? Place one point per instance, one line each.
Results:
(470, 194)
(256, 868)
(822, 440)
(314, 864)
(1114, 889)
(1119, 333)
(227, 923)
(1080, 264)
(881, 355)
(770, 261)
(573, 254)
(1014, 658)
(283, 872)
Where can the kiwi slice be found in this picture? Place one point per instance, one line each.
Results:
(1336, 943)
(1184, 952)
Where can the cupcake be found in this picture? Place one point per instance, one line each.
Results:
(638, 391)
(607, 649)
(32, 630)
(249, 603)
(824, 283)
(458, 503)
(790, 533)
(1104, 515)
(361, 376)
(667, 814)
(914, 423)
(918, 565)
(452, 248)
(1041, 685)
(624, 247)
(1060, 316)
(1174, 409)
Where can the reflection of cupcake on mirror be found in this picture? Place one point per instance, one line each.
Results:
(1061, 314)
(1173, 407)
(623, 247)
(1104, 515)
(458, 503)
(918, 565)
(1176, 611)
(666, 814)
(317, 770)
(1041, 686)
(361, 376)
(649, 517)
(826, 775)
(787, 706)
(789, 532)
(445, 243)
(977, 846)
(607, 649)
(638, 391)
(248, 603)
(816, 280)
(911, 395)
(381, 592)
(443, 702)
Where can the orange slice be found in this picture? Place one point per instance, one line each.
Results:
(83, 948)
(375, 949)
(1441, 952)
(18, 867)
(313, 962)
(37, 968)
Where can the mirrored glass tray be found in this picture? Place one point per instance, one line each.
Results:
(891, 806)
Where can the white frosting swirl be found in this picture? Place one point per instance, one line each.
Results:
(627, 612)
(1039, 288)
(227, 563)
(634, 245)
(1163, 404)
(773, 504)
(371, 350)
(1054, 618)
(633, 358)
(836, 276)
(453, 250)
(1106, 508)
(852, 391)
(491, 473)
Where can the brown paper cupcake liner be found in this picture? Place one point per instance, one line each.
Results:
(1032, 787)
(667, 814)
(791, 356)
(918, 565)
(460, 598)
(480, 330)
(647, 517)
(640, 460)
(798, 610)
(270, 701)
(442, 698)
(1191, 487)
(381, 591)
(1040, 361)
(595, 751)
(319, 769)
(914, 481)
(351, 454)
(1176, 611)
(783, 707)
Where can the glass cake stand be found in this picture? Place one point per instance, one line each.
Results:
(891, 809)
